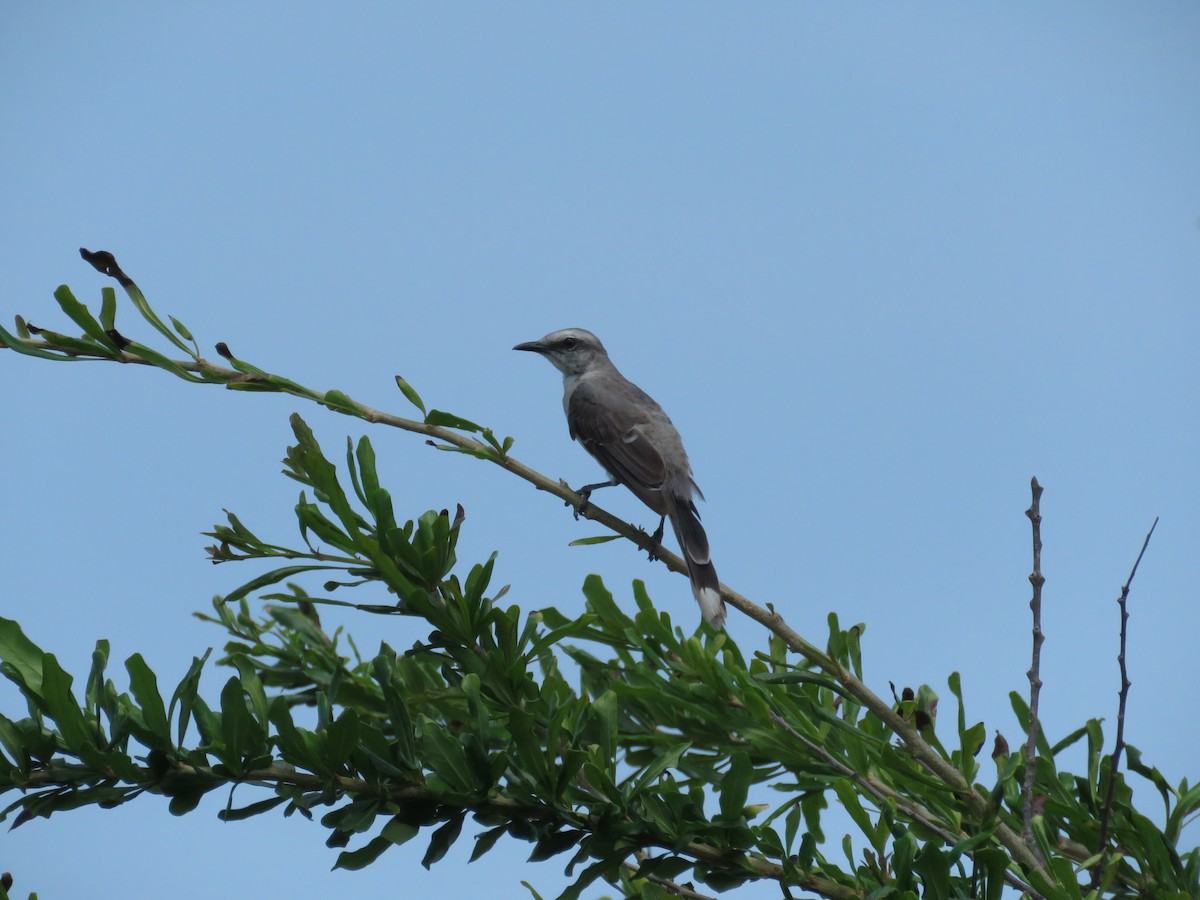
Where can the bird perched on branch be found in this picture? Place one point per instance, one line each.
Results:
(632, 438)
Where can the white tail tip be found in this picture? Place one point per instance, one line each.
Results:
(712, 606)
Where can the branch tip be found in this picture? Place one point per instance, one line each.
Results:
(105, 263)
(1114, 761)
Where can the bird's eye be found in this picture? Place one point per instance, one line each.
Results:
(570, 343)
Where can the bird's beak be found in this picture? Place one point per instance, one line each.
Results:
(535, 346)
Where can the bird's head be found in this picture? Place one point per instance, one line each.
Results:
(572, 351)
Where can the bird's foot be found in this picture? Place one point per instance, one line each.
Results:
(584, 496)
(585, 492)
(656, 541)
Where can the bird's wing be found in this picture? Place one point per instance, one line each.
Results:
(611, 427)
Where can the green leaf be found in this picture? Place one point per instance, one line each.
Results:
(598, 539)
(448, 420)
(24, 346)
(139, 301)
(99, 692)
(62, 706)
(83, 318)
(324, 479)
(311, 518)
(299, 747)
(383, 670)
(444, 754)
(181, 329)
(341, 739)
(207, 722)
(485, 841)
(1161, 857)
(339, 402)
(969, 844)
(442, 840)
(600, 600)
(242, 735)
(904, 851)
(994, 862)
(185, 695)
(184, 801)
(1044, 838)
(413, 397)
(273, 577)
(848, 795)
(18, 745)
(1021, 708)
(252, 686)
(64, 347)
(254, 809)
(735, 787)
(478, 580)
(141, 351)
(800, 677)
(1151, 774)
(934, 868)
(398, 831)
(971, 740)
(108, 308)
(669, 758)
(354, 860)
(365, 455)
(144, 685)
(472, 688)
(552, 843)
(1189, 801)
(603, 712)
(21, 653)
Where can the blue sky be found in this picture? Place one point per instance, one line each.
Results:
(880, 264)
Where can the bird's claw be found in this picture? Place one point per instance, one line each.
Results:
(584, 496)
(655, 542)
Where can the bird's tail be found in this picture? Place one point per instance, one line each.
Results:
(693, 542)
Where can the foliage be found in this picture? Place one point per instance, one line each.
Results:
(629, 749)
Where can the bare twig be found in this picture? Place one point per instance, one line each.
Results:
(1035, 679)
(1123, 696)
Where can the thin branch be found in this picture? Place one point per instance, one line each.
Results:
(1123, 695)
(671, 887)
(421, 795)
(878, 791)
(1035, 680)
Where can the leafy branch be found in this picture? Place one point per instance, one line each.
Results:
(450, 432)
(646, 768)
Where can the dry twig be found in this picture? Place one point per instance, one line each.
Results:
(1035, 679)
(1123, 696)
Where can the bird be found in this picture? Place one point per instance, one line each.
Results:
(635, 442)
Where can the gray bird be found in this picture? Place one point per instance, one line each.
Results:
(632, 438)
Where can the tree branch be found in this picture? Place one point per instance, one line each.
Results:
(672, 888)
(1035, 681)
(421, 796)
(1123, 696)
(918, 814)
(244, 375)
